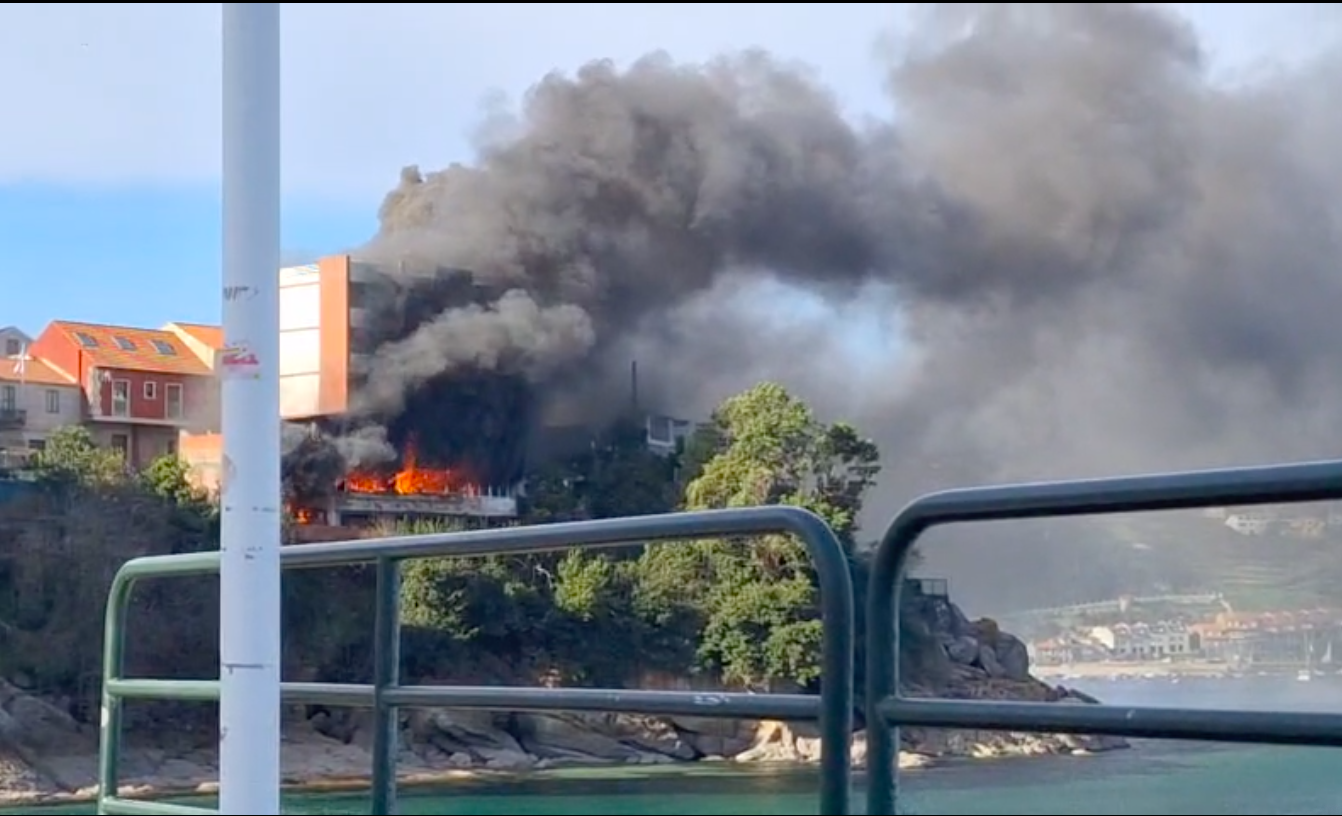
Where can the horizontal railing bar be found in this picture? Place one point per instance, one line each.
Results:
(550, 537)
(348, 695)
(683, 703)
(203, 691)
(353, 695)
(1273, 484)
(138, 807)
(500, 698)
(1219, 725)
(495, 541)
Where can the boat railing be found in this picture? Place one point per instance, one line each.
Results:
(832, 708)
(1280, 484)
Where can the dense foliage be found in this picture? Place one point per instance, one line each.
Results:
(743, 612)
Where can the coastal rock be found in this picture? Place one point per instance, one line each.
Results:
(559, 737)
(963, 650)
(710, 737)
(1014, 656)
(482, 736)
(781, 742)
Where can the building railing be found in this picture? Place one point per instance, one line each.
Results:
(13, 417)
(832, 708)
(928, 587)
(1170, 491)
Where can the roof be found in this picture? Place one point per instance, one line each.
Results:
(132, 349)
(32, 370)
(212, 336)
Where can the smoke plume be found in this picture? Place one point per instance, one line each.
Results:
(1085, 255)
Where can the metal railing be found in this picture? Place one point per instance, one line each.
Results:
(832, 708)
(1172, 491)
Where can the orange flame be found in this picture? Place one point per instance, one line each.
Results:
(410, 480)
(302, 515)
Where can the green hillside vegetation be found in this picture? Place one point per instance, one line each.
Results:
(1189, 553)
(743, 612)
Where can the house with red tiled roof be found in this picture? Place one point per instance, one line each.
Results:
(36, 398)
(201, 449)
(204, 341)
(140, 388)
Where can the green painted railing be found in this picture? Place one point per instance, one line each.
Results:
(1282, 484)
(832, 708)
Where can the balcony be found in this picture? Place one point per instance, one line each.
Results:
(12, 418)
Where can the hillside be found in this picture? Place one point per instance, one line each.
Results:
(1279, 569)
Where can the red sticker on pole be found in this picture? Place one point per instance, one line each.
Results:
(239, 362)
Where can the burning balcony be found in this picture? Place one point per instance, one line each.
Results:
(364, 496)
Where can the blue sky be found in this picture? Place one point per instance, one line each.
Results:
(109, 152)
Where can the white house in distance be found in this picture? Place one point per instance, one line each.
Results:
(1253, 522)
(1142, 641)
(36, 398)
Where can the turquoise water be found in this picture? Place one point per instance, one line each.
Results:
(1152, 778)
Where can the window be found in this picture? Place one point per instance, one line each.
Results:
(13, 347)
(170, 447)
(121, 398)
(9, 399)
(124, 343)
(172, 399)
(53, 401)
(150, 390)
(37, 444)
(86, 340)
(164, 347)
(121, 444)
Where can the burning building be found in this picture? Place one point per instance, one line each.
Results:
(386, 418)
(351, 457)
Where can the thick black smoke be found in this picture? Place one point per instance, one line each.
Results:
(1096, 258)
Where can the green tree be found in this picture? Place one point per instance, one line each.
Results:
(755, 599)
(70, 455)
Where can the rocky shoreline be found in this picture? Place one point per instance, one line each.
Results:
(46, 756)
(440, 745)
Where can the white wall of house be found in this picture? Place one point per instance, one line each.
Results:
(45, 408)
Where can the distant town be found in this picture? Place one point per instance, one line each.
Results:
(1302, 521)
(1301, 641)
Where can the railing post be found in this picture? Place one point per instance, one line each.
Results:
(386, 675)
(884, 592)
(114, 668)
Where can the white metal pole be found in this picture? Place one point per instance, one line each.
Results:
(249, 596)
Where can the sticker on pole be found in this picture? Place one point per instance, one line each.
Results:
(239, 362)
